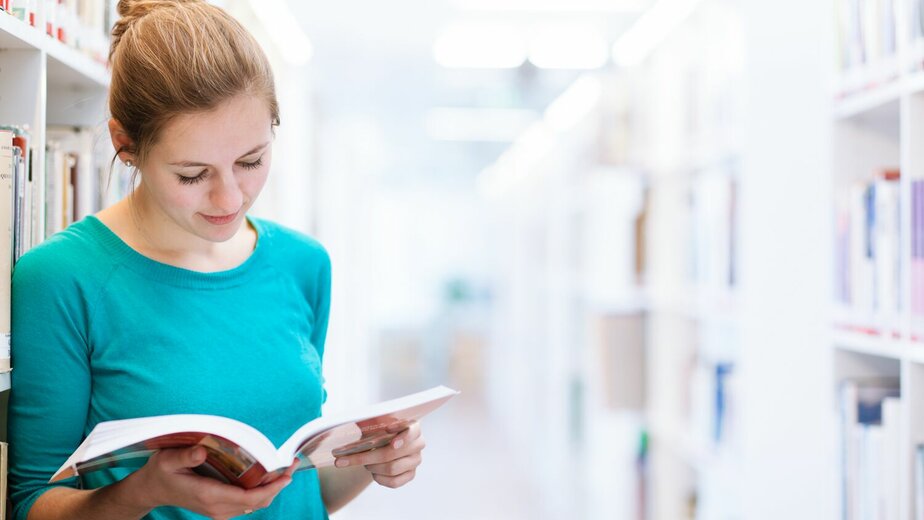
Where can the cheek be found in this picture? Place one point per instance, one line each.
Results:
(253, 184)
(183, 197)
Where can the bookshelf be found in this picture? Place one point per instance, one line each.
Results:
(876, 127)
(624, 253)
(729, 140)
(54, 92)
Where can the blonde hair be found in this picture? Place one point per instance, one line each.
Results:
(172, 57)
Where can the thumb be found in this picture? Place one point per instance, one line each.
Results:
(183, 458)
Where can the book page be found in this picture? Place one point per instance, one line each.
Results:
(225, 460)
(321, 449)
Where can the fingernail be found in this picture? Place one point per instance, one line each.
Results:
(342, 463)
(398, 444)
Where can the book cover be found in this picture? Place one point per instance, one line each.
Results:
(239, 454)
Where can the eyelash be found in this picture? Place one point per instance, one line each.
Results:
(201, 177)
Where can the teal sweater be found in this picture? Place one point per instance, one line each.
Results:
(101, 332)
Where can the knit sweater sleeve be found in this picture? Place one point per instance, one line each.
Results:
(51, 373)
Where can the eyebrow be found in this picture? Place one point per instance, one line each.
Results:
(185, 164)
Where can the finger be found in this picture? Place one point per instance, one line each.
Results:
(396, 481)
(396, 467)
(407, 436)
(266, 491)
(380, 455)
(180, 458)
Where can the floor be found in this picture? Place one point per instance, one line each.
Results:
(466, 474)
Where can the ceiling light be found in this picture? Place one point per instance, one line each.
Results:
(568, 47)
(650, 30)
(595, 6)
(480, 46)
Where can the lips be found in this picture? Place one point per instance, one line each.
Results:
(220, 220)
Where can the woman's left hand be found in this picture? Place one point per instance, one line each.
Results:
(395, 464)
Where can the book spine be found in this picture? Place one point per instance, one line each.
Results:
(919, 482)
(6, 243)
(4, 468)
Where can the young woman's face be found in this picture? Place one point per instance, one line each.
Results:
(207, 169)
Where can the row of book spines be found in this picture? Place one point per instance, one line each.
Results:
(871, 448)
(868, 260)
(713, 238)
(866, 31)
(42, 201)
(84, 24)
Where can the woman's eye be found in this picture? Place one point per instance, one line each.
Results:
(252, 165)
(192, 180)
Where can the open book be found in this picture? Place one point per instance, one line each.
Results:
(239, 454)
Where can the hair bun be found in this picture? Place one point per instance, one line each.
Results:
(131, 11)
(137, 8)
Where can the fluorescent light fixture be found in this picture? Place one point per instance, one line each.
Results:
(574, 104)
(287, 36)
(573, 6)
(480, 46)
(571, 46)
(652, 28)
(478, 124)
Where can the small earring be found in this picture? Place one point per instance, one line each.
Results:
(128, 163)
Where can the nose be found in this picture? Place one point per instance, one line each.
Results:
(226, 196)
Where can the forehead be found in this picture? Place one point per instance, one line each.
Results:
(230, 129)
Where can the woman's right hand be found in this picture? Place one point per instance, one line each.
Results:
(167, 479)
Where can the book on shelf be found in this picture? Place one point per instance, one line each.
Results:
(916, 19)
(868, 259)
(713, 226)
(918, 485)
(239, 454)
(870, 448)
(867, 42)
(7, 171)
(82, 24)
(76, 179)
(917, 257)
(4, 470)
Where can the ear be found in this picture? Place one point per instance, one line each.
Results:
(121, 141)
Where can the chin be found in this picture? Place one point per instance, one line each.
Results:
(214, 233)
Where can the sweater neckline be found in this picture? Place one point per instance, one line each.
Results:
(179, 276)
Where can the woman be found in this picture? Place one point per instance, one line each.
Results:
(173, 300)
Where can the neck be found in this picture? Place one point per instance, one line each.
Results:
(154, 234)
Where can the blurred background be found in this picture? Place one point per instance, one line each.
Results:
(612, 224)
(607, 222)
(669, 251)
